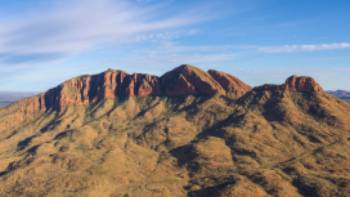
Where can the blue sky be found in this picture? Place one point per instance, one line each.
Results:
(44, 42)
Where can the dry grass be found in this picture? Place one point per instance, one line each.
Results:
(269, 144)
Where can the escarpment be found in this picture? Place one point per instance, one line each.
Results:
(182, 81)
(115, 84)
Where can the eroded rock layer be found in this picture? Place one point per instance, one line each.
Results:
(115, 84)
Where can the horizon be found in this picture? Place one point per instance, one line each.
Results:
(43, 43)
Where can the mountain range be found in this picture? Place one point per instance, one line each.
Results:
(186, 133)
(343, 94)
(7, 97)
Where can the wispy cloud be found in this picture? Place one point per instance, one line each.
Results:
(71, 27)
(161, 56)
(161, 36)
(304, 48)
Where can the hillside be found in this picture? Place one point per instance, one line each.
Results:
(185, 133)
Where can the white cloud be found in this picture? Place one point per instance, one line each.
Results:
(71, 27)
(160, 36)
(304, 48)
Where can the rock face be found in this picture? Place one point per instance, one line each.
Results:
(182, 81)
(302, 84)
(188, 80)
(115, 84)
(231, 84)
(88, 89)
(295, 84)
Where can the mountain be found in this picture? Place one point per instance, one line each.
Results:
(7, 98)
(341, 94)
(185, 133)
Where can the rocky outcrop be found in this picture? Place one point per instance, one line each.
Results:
(189, 80)
(232, 85)
(269, 93)
(115, 84)
(302, 84)
(181, 81)
(140, 85)
(87, 89)
(295, 84)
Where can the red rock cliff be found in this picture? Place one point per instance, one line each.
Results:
(302, 84)
(189, 80)
(232, 85)
(295, 84)
(182, 81)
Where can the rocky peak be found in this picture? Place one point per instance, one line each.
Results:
(189, 80)
(274, 99)
(293, 83)
(302, 84)
(232, 85)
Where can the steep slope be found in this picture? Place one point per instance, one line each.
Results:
(181, 134)
(232, 85)
(189, 80)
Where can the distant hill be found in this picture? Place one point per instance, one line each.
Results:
(7, 97)
(343, 94)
